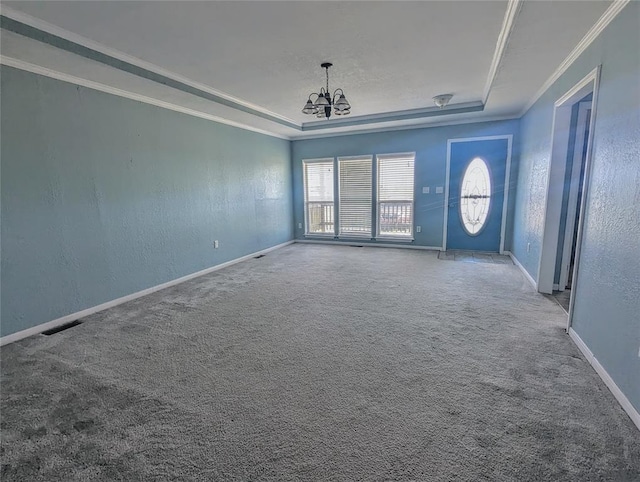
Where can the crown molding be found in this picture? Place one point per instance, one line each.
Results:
(614, 9)
(424, 125)
(79, 40)
(513, 9)
(53, 74)
(46, 72)
(420, 113)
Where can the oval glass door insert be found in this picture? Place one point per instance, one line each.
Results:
(475, 196)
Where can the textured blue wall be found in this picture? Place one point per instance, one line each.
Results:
(104, 196)
(430, 146)
(607, 290)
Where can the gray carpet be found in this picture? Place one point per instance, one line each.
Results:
(563, 298)
(318, 363)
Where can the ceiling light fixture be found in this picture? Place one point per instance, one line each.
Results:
(324, 103)
(442, 100)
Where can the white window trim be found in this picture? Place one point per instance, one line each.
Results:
(304, 196)
(370, 234)
(386, 237)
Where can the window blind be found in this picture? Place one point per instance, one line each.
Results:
(395, 195)
(355, 196)
(318, 196)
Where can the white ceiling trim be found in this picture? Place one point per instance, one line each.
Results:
(423, 112)
(64, 77)
(611, 13)
(36, 69)
(85, 42)
(425, 125)
(513, 8)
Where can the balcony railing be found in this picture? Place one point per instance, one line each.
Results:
(320, 217)
(395, 218)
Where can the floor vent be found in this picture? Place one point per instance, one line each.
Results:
(259, 256)
(60, 328)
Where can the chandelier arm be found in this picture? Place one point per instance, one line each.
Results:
(335, 93)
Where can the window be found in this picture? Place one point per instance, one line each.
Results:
(355, 196)
(395, 195)
(318, 196)
(475, 196)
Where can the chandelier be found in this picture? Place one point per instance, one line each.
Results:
(324, 102)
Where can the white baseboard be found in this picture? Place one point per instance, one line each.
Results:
(109, 304)
(368, 244)
(524, 271)
(606, 378)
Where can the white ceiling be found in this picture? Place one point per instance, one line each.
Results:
(388, 56)
(544, 34)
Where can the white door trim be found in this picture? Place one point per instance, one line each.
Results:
(555, 182)
(595, 74)
(574, 189)
(503, 224)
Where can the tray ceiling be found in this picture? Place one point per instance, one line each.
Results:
(256, 62)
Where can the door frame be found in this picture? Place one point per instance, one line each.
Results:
(505, 202)
(560, 129)
(574, 188)
(559, 146)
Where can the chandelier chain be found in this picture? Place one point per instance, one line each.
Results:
(326, 70)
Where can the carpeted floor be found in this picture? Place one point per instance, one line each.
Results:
(563, 298)
(318, 363)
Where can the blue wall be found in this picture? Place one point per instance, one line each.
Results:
(104, 196)
(607, 289)
(430, 146)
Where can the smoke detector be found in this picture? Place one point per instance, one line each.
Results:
(442, 100)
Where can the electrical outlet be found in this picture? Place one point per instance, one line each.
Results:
(439, 189)
(528, 247)
(299, 225)
(215, 244)
(418, 229)
(425, 190)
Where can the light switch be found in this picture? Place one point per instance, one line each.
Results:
(425, 190)
(439, 189)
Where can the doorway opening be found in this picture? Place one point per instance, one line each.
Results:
(568, 183)
(572, 195)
